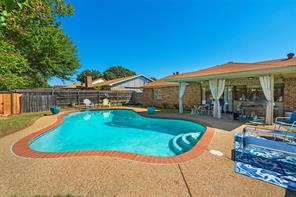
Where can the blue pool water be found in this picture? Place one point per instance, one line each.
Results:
(119, 130)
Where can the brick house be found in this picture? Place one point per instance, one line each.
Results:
(161, 93)
(242, 86)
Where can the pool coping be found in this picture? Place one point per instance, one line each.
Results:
(21, 148)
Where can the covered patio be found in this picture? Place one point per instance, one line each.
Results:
(248, 90)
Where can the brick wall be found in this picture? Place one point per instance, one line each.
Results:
(290, 93)
(170, 96)
(193, 93)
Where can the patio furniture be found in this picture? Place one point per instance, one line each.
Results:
(194, 110)
(199, 110)
(263, 142)
(291, 136)
(88, 103)
(286, 121)
(257, 121)
(250, 110)
(277, 146)
(106, 103)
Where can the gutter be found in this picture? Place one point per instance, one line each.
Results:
(252, 73)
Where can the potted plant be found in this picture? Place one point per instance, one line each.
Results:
(150, 109)
(55, 109)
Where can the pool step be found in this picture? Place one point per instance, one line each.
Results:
(183, 142)
(174, 146)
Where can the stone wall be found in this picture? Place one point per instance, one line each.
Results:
(290, 93)
(169, 97)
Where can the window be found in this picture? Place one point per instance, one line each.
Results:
(240, 93)
(156, 94)
(255, 93)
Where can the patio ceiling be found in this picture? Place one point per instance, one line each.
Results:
(284, 67)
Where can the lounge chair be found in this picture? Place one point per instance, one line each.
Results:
(88, 103)
(269, 144)
(275, 133)
(106, 103)
(272, 145)
(286, 121)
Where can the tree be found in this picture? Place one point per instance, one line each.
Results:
(13, 67)
(95, 74)
(115, 72)
(9, 6)
(36, 36)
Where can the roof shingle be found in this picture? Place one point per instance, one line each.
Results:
(232, 67)
(160, 83)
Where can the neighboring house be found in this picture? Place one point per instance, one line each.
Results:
(134, 83)
(74, 86)
(97, 81)
(243, 91)
(81, 86)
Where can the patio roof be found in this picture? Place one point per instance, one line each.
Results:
(285, 66)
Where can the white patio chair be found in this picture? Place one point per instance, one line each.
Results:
(88, 103)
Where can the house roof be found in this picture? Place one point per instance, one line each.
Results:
(160, 83)
(119, 80)
(235, 69)
(73, 86)
(100, 80)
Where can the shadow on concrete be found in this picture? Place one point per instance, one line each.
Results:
(225, 123)
(290, 193)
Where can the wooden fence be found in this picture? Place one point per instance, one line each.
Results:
(138, 98)
(9, 103)
(42, 99)
(35, 103)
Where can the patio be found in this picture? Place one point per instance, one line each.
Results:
(206, 175)
(249, 90)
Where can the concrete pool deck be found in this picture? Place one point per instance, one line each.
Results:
(206, 175)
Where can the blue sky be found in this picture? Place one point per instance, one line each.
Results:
(159, 37)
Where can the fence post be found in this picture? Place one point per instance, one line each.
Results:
(78, 99)
(12, 103)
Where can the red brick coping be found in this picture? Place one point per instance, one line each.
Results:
(21, 148)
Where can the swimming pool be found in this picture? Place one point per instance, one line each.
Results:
(117, 130)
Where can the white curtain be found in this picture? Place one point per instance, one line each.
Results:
(182, 88)
(217, 89)
(267, 83)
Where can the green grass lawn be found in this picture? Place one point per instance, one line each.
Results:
(10, 124)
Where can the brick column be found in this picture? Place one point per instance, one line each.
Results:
(290, 93)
